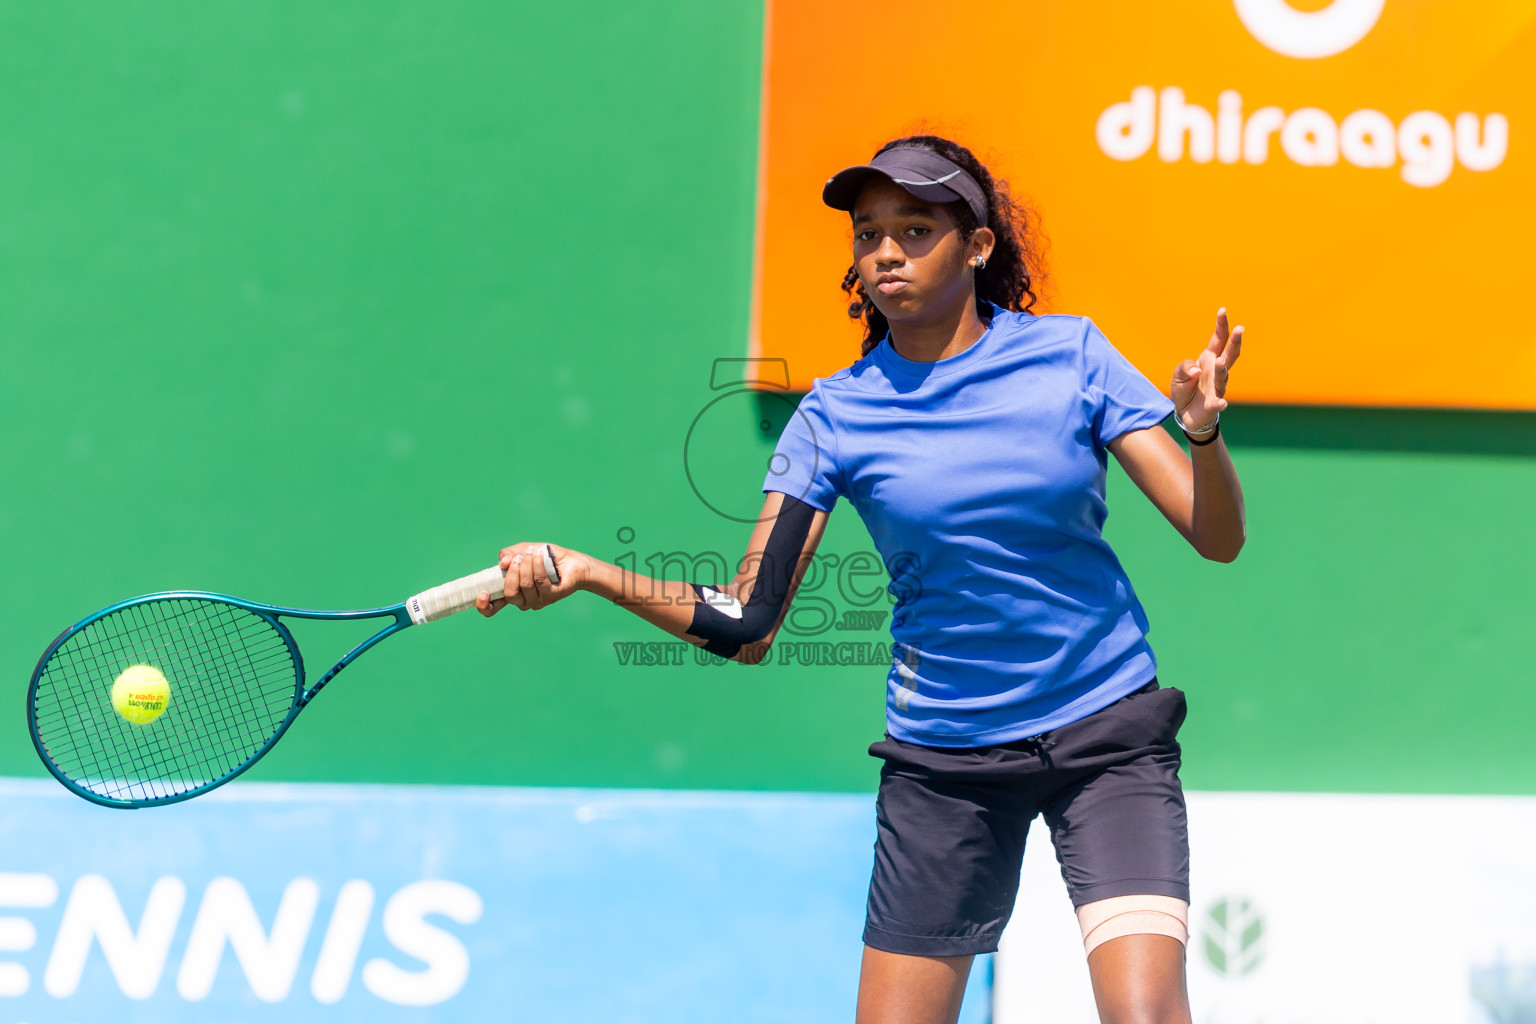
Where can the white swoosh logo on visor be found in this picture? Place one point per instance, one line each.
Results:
(939, 181)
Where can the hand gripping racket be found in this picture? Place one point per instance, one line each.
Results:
(163, 697)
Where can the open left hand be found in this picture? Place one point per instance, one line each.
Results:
(1200, 384)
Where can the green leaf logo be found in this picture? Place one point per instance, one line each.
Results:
(1234, 937)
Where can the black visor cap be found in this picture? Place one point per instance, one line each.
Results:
(922, 172)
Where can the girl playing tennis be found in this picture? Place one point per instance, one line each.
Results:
(972, 437)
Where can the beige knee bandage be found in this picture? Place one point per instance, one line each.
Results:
(1103, 920)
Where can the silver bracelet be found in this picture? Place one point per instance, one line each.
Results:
(1198, 433)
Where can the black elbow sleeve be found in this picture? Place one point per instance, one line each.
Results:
(725, 622)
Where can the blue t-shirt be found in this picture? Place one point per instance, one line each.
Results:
(981, 480)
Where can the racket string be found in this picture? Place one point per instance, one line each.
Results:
(177, 748)
(233, 682)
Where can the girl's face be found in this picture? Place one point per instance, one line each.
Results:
(909, 254)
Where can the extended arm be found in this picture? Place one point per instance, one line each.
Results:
(737, 621)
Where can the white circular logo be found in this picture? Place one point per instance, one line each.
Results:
(1309, 34)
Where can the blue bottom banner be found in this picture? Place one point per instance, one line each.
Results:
(292, 903)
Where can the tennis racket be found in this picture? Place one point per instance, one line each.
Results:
(163, 697)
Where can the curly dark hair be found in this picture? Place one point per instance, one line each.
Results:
(1017, 266)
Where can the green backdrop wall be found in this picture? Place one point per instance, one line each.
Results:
(322, 304)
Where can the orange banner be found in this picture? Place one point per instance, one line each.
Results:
(1351, 179)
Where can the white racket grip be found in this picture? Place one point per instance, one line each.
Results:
(460, 594)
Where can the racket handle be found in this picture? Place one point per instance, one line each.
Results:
(461, 594)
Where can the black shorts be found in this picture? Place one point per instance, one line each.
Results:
(952, 821)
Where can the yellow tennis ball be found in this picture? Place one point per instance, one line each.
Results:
(141, 694)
